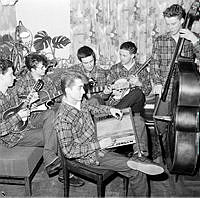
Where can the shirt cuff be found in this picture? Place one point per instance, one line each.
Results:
(95, 145)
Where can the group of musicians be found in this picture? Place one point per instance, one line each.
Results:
(88, 90)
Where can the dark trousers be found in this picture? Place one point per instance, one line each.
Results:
(135, 99)
(42, 135)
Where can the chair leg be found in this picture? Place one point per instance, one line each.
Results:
(125, 186)
(100, 187)
(28, 187)
(66, 182)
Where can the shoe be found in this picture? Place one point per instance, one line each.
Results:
(74, 181)
(54, 167)
(144, 165)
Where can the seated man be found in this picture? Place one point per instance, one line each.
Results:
(129, 88)
(39, 131)
(96, 76)
(77, 136)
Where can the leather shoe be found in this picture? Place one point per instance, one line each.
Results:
(54, 168)
(74, 181)
(144, 165)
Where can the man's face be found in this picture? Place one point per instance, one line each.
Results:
(40, 69)
(8, 78)
(88, 63)
(174, 24)
(76, 91)
(126, 57)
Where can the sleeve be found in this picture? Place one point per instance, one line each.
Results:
(197, 49)
(20, 88)
(6, 126)
(155, 73)
(144, 77)
(112, 76)
(98, 109)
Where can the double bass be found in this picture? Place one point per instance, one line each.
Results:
(183, 131)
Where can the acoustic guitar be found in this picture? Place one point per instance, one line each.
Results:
(25, 104)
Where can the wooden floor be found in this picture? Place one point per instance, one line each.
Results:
(162, 186)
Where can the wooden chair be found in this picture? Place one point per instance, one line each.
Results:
(97, 176)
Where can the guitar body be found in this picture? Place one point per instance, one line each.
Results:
(183, 136)
(23, 105)
(12, 111)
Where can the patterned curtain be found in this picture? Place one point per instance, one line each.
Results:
(105, 24)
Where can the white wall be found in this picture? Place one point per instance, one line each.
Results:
(53, 16)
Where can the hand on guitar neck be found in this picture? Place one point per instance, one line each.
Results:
(24, 114)
(32, 98)
(134, 81)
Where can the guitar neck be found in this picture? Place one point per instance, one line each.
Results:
(47, 99)
(143, 66)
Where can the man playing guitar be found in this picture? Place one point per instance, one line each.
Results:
(94, 73)
(129, 89)
(39, 130)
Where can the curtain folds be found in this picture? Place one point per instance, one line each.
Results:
(105, 24)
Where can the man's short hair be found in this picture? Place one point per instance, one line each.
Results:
(84, 52)
(4, 65)
(32, 60)
(129, 46)
(68, 79)
(175, 10)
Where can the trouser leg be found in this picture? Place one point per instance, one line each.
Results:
(50, 138)
(32, 137)
(142, 135)
(42, 135)
(138, 181)
(135, 100)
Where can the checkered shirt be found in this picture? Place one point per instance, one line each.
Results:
(76, 131)
(162, 53)
(97, 74)
(9, 134)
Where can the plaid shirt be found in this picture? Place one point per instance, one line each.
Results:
(162, 54)
(25, 84)
(9, 134)
(97, 74)
(76, 131)
(119, 71)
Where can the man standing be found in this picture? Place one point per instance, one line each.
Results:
(162, 54)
